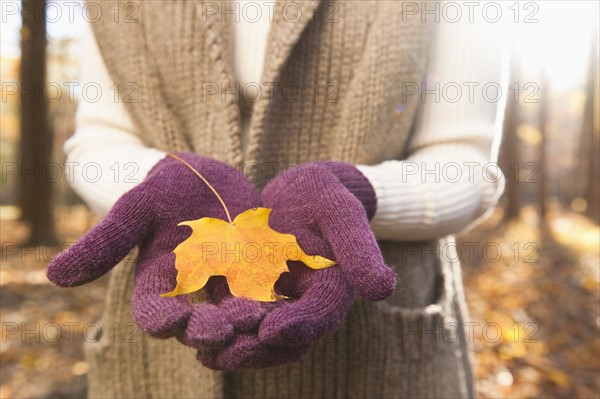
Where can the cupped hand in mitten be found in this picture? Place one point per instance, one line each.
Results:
(317, 302)
(327, 206)
(147, 216)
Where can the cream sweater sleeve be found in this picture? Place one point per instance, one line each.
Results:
(105, 156)
(450, 179)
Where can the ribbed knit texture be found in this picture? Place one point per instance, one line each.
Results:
(420, 194)
(364, 56)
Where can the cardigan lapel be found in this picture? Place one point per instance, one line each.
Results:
(289, 21)
(219, 38)
(290, 18)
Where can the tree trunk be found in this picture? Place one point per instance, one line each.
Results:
(544, 105)
(591, 133)
(510, 157)
(36, 137)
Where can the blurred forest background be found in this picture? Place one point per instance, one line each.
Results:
(533, 280)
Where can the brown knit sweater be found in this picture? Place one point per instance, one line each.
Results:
(348, 60)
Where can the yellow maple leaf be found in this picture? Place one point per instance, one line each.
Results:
(248, 252)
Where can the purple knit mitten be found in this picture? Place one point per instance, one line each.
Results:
(147, 216)
(319, 300)
(327, 206)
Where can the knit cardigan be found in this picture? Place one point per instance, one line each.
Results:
(362, 53)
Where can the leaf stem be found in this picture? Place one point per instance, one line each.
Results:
(205, 181)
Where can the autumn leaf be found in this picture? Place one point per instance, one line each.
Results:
(249, 253)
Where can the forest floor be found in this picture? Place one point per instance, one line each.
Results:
(534, 298)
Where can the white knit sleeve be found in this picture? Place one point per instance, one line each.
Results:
(450, 179)
(105, 156)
